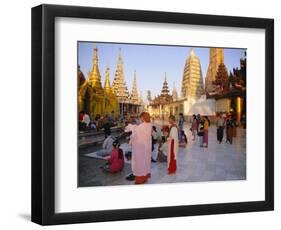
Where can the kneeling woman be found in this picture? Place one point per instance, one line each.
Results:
(115, 162)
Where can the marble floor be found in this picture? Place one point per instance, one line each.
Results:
(218, 162)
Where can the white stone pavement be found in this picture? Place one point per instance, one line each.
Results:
(216, 163)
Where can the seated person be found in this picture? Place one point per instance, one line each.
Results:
(162, 150)
(115, 162)
(183, 139)
(106, 147)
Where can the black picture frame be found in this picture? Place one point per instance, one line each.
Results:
(43, 114)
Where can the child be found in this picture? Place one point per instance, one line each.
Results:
(201, 135)
(115, 162)
(183, 139)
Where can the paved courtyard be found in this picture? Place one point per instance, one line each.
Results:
(218, 162)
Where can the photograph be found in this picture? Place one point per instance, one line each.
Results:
(153, 114)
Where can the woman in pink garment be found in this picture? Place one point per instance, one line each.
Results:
(116, 160)
(141, 149)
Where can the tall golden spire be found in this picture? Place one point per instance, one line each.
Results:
(119, 85)
(107, 87)
(94, 75)
(192, 81)
(134, 94)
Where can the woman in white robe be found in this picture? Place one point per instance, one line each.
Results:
(141, 149)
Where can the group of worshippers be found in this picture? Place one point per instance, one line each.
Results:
(228, 122)
(141, 139)
(200, 126)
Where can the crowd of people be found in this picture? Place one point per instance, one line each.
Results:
(144, 138)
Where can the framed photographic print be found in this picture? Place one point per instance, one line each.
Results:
(144, 114)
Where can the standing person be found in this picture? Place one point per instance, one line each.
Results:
(181, 121)
(173, 144)
(154, 139)
(111, 118)
(180, 124)
(198, 121)
(183, 141)
(154, 136)
(229, 130)
(206, 128)
(141, 149)
(220, 128)
(201, 136)
(106, 126)
(194, 127)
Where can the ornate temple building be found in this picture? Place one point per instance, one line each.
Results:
(92, 97)
(216, 58)
(192, 81)
(192, 100)
(127, 103)
(119, 84)
(230, 90)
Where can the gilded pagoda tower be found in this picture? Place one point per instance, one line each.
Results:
(216, 58)
(119, 85)
(134, 95)
(192, 82)
(110, 99)
(95, 92)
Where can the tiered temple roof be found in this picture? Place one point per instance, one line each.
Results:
(94, 76)
(165, 89)
(164, 97)
(119, 84)
(192, 82)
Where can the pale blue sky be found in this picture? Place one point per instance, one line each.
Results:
(150, 62)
